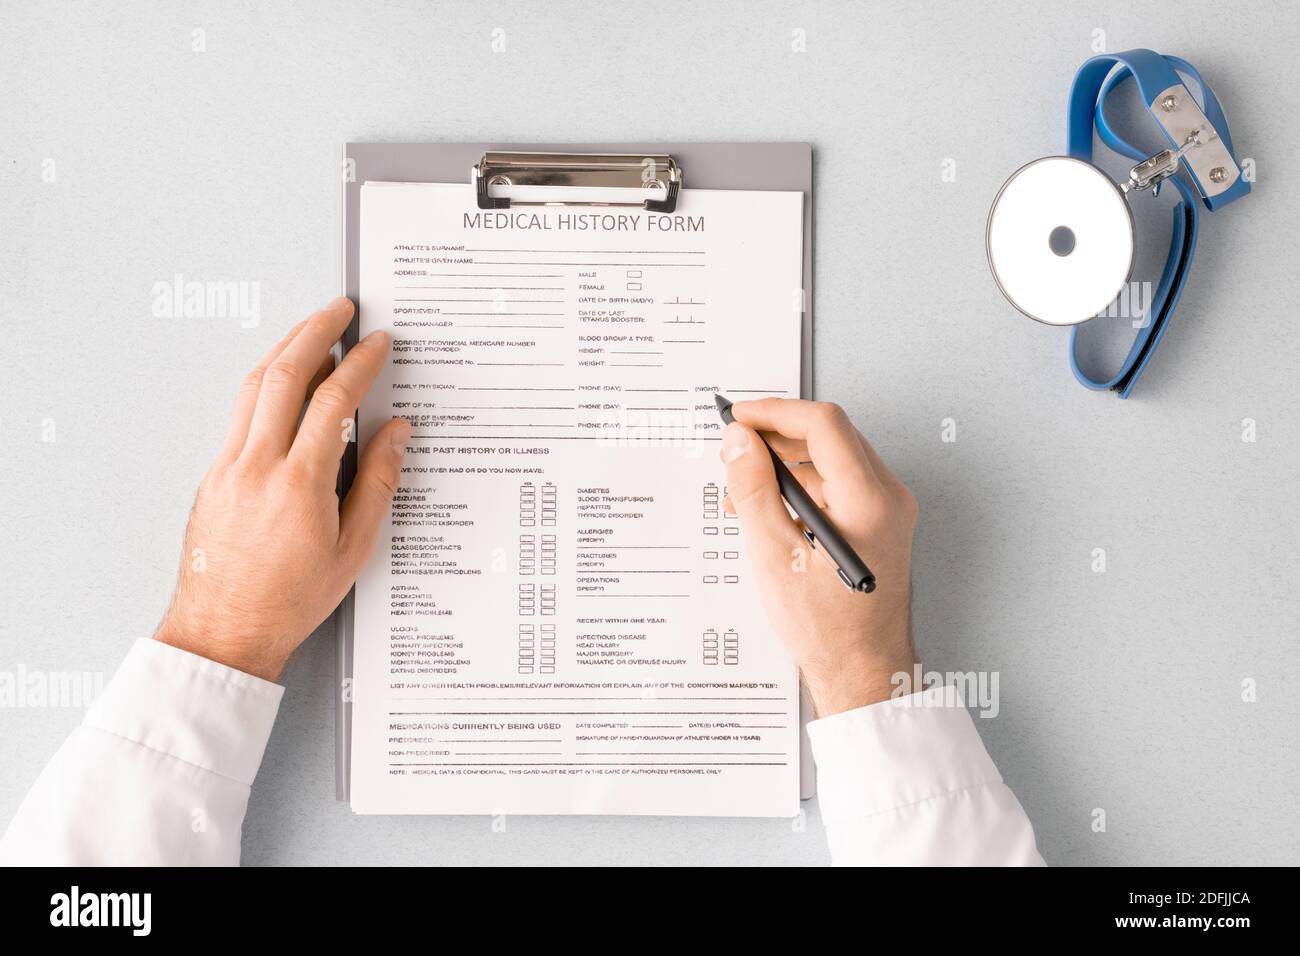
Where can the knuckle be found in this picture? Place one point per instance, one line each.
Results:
(385, 482)
(758, 504)
(828, 414)
(296, 474)
(333, 394)
(252, 381)
(212, 479)
(244, 473)
(911, 507)
(282, 375)
(743, 498)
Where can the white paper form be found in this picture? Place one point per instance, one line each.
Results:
(559, 616)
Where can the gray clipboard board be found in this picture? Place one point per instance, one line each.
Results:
(757, 166)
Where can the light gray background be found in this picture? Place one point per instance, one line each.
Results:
(1119, 690)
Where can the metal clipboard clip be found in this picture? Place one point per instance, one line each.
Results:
(658, 174)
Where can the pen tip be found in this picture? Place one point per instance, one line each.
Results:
(720, 401)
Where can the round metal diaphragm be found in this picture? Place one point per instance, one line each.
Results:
(1060, 240)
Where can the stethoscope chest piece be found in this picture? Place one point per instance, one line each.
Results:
(1060, 240)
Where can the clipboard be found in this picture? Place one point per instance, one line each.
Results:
(660, 169)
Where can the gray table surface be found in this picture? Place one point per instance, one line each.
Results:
(1119, 690)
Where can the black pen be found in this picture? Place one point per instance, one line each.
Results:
(817, 528)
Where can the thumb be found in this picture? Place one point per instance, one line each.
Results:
(770, 532)
(378, 476)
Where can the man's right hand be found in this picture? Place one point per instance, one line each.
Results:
(848, 645)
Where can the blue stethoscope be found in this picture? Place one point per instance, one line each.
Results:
(1060, 236)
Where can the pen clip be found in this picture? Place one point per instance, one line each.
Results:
(839, 571)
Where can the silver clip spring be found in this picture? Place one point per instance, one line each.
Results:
(1153, 170)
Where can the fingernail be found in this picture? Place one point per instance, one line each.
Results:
(338, 303)
(377, 337)
(401, 435)
(735, 442)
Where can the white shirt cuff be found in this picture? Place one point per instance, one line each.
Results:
(897, 753)
(191, 708)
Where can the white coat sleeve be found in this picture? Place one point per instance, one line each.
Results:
(907, 782)
(158, 772)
